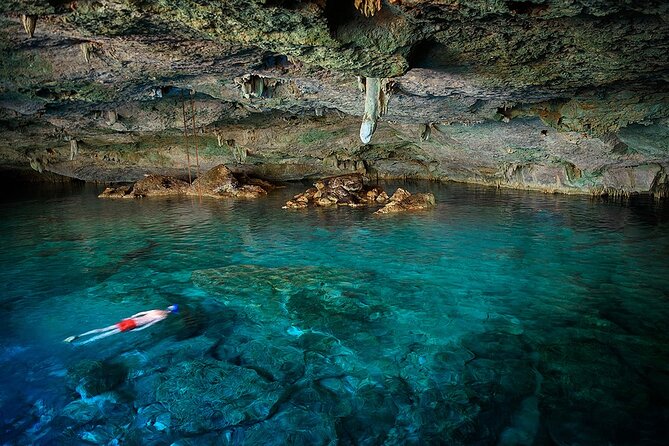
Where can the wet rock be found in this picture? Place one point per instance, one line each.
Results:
(315, 428)
(90, 378)
(103, 434)
(206, 395)
(82, 411)
(275, 362)
(159, 185)
(220, 182)
(291, 297)
(347, 190)
(403, 201)
(149, 186)
(624, 181)
(117, 192)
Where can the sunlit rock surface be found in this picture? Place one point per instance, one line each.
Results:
(552, 95)
(403, 201)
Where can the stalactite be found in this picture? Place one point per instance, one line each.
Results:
(112, 117)
(425, 131)
(368, 7)
(361, 84)
(239, 153)
(258, 86)
(377, 95)
(38, 164)
(254, 86)
(74, 148)
(29, 22)
(86, 48)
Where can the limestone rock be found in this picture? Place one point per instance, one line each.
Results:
(493, 84)
(347, 190)
(117, 192)
(399, 195)
(159, 185)
(403, 201)
(220, 182)
(149, 186)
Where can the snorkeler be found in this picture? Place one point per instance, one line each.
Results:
(139, 321)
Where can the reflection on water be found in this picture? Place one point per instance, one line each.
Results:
(500, 317)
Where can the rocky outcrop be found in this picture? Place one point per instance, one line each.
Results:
(218, 182)
(350, 190)
(344, 190)
(149, 186)
(403, 201)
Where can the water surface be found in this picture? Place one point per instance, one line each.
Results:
(500, 317)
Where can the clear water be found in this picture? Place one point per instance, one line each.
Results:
(499, 318)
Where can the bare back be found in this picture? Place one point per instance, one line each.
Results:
(150, 316)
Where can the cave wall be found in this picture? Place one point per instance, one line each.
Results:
(554, 95)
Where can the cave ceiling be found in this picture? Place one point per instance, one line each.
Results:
(589, 66)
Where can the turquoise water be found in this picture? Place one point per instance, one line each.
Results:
(500, 317)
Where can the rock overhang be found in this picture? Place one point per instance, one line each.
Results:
(585, 67)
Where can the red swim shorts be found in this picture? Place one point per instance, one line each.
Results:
(126, 325)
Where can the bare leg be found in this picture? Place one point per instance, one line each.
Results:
(97, 330)
(103, 335)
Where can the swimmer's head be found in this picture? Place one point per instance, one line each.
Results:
(174, 308)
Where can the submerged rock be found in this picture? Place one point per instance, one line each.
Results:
(291, 301)
(403, 201)
(346, 190)
(206, 395)
(90, 378)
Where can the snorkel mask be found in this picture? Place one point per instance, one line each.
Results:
(174, 308)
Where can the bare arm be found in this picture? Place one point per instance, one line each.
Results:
(141, 313)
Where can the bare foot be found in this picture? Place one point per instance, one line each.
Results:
(70, 339)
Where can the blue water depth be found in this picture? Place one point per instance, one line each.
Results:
(500, 317)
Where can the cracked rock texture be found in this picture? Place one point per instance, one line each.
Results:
(556, 95)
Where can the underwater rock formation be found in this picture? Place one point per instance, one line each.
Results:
(205, 395)
(346, 190)
(89, 378)
(403, 201)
